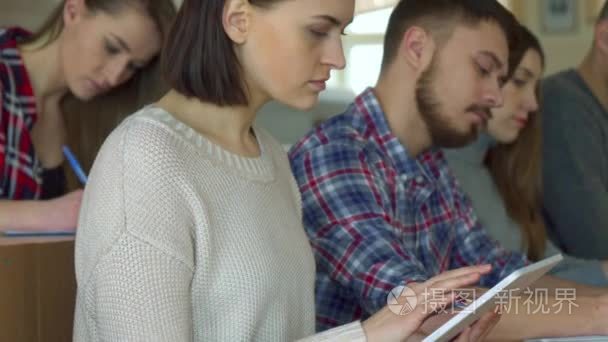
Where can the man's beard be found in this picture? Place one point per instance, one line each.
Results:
(442, 133)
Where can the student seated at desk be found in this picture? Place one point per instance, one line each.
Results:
(85, 49)
(201, 237)
(501, 172)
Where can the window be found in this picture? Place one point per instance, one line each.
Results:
(363, 51)
(374, 22)
(364, 68)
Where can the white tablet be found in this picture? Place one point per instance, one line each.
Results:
(520, 279)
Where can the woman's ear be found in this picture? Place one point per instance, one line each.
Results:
(236, 20)
(73, 10)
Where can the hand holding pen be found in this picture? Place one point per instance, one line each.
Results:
(58, 216)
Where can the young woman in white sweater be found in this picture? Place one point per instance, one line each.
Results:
(190, 227)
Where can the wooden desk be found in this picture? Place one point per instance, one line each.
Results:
(37, 289)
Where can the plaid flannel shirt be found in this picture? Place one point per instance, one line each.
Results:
(378, 218)
(20, 170)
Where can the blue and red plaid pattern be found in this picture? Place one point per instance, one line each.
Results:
(378, 218)
(20, 170)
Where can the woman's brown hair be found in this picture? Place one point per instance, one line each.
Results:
(516, 167)
(208, 68)
(89, 123)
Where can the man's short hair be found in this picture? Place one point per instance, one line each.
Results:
(440, 17)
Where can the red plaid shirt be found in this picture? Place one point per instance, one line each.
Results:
(20, 170)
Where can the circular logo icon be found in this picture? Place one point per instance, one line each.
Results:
(401, 300)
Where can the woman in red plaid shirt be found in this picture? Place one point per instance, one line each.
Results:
(85, 49)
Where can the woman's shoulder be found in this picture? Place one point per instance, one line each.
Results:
(10, 36)
(144, 137)
(150, 125)
(12, 70)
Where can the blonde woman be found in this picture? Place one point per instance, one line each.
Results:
(85, 49)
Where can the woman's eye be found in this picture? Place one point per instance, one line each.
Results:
(318, 33)
(111, 49)
(519, 83)
(483, 71)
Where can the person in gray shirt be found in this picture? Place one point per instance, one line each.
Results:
(575, 152)
(501, 171)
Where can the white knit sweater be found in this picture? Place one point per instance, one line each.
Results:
(180, 240)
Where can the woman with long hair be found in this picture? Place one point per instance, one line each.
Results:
(86, 49)
(501, 172)
(200, 237)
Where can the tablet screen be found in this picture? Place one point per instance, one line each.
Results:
(519, 279)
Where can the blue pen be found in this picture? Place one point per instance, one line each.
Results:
(23, 233)
(74, 164)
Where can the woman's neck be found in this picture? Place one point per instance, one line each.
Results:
(228, 126)
(44, 69)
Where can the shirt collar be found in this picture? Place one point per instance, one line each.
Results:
(427, 164)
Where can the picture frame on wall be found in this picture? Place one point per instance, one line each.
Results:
(559, 16)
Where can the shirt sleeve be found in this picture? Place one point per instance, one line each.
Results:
(347, 215)
(574, 171)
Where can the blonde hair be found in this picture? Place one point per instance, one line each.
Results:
(89, 123)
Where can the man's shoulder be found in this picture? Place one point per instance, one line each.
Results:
(564, 87)
(337, 134)
(566, 97)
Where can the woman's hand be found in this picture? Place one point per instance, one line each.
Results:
(436, 293)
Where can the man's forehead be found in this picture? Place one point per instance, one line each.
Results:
(493, 56)
(484, 40)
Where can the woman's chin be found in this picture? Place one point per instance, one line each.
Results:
(302, 103)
